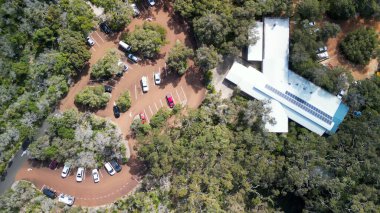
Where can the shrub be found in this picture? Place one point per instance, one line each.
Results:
(177, 60)
(159, 118)
(107, 66)
(358, 46)
(124, 101)
(92, 97)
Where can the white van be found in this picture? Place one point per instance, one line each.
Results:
(144, 84)
(125, 46)
(109, 168)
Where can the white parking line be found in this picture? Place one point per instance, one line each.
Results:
(99, 36)
(42, 187)
(146, 115)
(151, 110)
(161, 103)
(100, 172)
(179, 98)
(93, 48)
(183, 93)
(156, 106)
(135, 91)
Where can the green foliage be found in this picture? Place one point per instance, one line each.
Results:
(79, 15)
(329, 30)
(177, 60)
(124, 101)
(341, 9)
(207, 58)
(147, 40)
(76, 138)
(310, 9)
(368, 8)
(358, 46)
(118, 15)
(92, 97)
(159, 119)
(140, 129)
(107, 66)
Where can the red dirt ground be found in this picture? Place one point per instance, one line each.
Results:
(336, 59)
(187, 90)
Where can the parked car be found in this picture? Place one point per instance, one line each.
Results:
(170, 101)
(133, 58)
(95, 175)
(136, 11)
(90, 41)
(65, 171)
(157, 78)
(107, 88)
(115, 165)
(322, 56)
(151, 2)
(49, 193)
(144, 84)
(125, 46)
(109, 168)
(53, 164)
(25, 144)
(116, 111)
(322, 49)
(80, 174)
(105, 28)
(142, 117)
(66, 199)
(123, 66)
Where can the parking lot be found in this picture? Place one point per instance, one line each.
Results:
(186, 90)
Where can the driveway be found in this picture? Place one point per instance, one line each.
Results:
(187, 90)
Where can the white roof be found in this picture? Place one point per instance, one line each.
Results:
(276, 49)
(244, 77)
(255, 51)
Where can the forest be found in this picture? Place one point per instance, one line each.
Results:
(216, 158)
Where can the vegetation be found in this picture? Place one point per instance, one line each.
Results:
(146, 40)
(359, 46)
(41, 49)
(107, 66)
(80, 139)
(177, 60)
(93, 97)
(124, 101)
(207, 58)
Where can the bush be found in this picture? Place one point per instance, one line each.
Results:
(177, 60)
(107, 66)
(342, 9)
(159, 118)
(124, 101)
(146, 40)
(358, 46)
(92, 97)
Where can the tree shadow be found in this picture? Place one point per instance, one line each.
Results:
(169, 77)
(136, 166)
(195, 78)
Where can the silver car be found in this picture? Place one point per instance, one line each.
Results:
(135, 10)
(66, 199)
(90, 41)
(95, 175)
(65, 171)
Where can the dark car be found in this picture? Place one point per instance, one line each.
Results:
(115, 165)
(49, 193)
(25, 144)
(107, 88)
(53, 164)
(133, 58)
(105, 28)
(116, 111)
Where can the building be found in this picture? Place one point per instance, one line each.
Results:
(289, 95)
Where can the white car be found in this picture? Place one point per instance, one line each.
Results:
(151, 2)
(95, 175)
(65, 171)
(157, 78)
(66, 199)
(135, 10)
(144, 84)
(80, 174)
(123, 66)
(109, 168)
(323, 56)
(90, 41)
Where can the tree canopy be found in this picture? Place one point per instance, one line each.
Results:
(92, 97)
(107, 66)
(177, 60)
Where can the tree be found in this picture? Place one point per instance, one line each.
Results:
(207, 58)
(177, 60)
(147, 40)
(329, 30)
(358, 46)
(310, 9)
(119, 15)
(107, 66)
(92, 97)
(211, 29)
(124, 101)
(368, 8)
(78, 15)
(341, 9)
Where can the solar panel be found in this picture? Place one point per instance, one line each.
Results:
(302, 104)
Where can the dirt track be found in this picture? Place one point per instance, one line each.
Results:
(187, 90)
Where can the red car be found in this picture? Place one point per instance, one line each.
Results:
(170, 101)
(142, 118)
